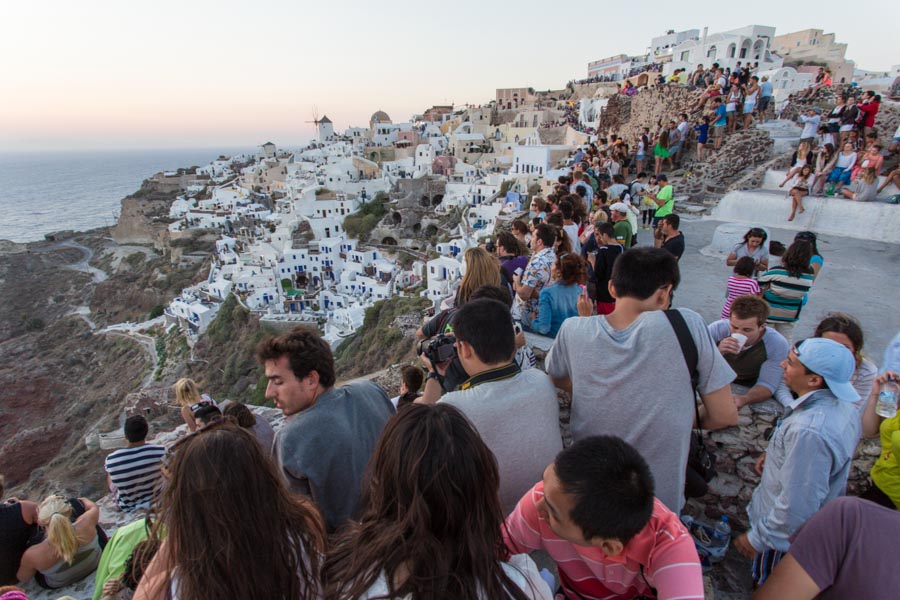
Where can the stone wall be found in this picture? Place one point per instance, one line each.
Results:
(738, 448)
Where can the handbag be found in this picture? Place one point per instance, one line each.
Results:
(701, 464)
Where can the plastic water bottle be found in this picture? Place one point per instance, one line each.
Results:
(887, 399)
(721, 533)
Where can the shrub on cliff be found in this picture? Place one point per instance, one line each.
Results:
(379, 343)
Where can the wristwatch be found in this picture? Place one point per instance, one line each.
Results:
(433, 375)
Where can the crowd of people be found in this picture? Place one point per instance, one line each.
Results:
(445, 490)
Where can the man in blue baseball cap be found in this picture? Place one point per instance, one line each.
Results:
(808, 458)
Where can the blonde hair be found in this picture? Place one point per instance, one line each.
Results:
(54, 514)
(187, 392)
(482, 268)
(802, 150)
(870, 175)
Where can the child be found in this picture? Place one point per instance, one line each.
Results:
(648, 206)
(721, 115)
(411, 380)
(702, 136)
(740, 284)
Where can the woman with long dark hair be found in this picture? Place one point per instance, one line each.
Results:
(431, 522)
(785, 287)
(228, 526)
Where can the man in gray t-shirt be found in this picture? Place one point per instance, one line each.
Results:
(628, 377)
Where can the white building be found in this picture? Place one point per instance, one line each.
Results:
(442, 273)
(749, 44)
(530, 160)
(661, 47)
(787, 80)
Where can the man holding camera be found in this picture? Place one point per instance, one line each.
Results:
(516, 412)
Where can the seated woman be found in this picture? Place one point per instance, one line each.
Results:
(18, 523)
(228, 526)
(865, 188)
(799, 190)
(884, 488)
(820, 172)
(785, 287)
(893, 176)
(841, 168)
(801, 158)
(431, 521)
(72, 548)
(188, 396)
(258, 426)
(754, 246)
(559, 301)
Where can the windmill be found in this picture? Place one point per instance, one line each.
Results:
(324, 127)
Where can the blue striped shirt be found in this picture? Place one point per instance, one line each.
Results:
(135, 473)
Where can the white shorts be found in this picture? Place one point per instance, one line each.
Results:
(846, 128)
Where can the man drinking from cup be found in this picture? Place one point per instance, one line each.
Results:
(753, 351)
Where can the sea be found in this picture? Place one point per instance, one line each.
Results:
(43, 192)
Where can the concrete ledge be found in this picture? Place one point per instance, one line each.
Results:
(773, 178)
(877, 221)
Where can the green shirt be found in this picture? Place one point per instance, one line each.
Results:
(623, 232)
(666, 209)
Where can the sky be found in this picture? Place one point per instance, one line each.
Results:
(94, 74)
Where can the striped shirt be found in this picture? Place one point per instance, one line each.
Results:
(785, 294)
(661, 555)
(134, 474)
(738, 286)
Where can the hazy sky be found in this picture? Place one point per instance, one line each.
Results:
(197, 73)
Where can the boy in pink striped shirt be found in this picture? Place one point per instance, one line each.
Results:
(740, 284)
(596, 515)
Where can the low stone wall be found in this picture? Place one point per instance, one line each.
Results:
(738, 448)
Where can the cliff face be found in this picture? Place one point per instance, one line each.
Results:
(144, 217)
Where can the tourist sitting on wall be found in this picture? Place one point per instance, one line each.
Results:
(431, 519)
(800, 186)
(207, 415)
(258, 426)
(840, 168)
(411, 379)
(188, 396)
(865, 188)
(808, 459)
(754, 246)
(832, 555)
(785, 287)
(595, 514)
(123, 561)
(18, 523)
(223, 493)
(133, 473)
(754, 351)
(820, 171)
(72, 545)
(482, 268)
(884, 485)
(529, 284)
(638, 338)
(845, 330)
(559, 301)
(330, 431)
(508, 406)
(740, 284)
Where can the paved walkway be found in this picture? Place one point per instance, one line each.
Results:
(859, 278)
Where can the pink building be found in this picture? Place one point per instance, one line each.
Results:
(412, 137)
(443, 165)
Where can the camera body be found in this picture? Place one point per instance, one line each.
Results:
(438, 349)
(490, 246)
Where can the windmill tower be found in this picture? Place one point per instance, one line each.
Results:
(324, 126)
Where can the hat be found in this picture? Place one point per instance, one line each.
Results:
(619, 207)
(662, 177)
(833, 362)
(815, 109)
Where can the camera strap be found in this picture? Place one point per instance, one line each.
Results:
(498, 374)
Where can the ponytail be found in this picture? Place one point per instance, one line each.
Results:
(54, 515)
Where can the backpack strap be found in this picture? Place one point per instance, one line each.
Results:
(689, 352)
